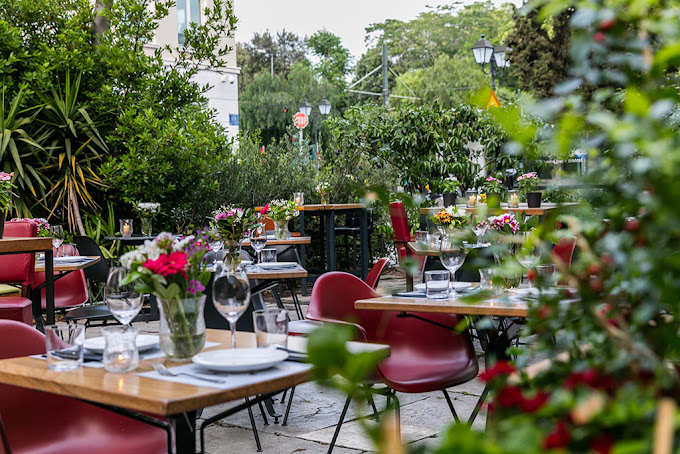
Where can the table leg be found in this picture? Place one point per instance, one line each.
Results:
(330, 239)
(303, 249)
(364, 243)
(185, 432)
(49, 287)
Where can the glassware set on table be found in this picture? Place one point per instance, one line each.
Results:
(258, 241)
(57, 233)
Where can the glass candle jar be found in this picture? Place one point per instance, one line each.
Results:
(513, 199)
(471, 198)
(299, 198)
(126, 227)
(120, 348)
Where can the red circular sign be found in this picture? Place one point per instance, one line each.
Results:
(300, 120)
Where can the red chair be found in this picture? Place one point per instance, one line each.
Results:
(37, 422)
(18, 269)
(564, 250)
(69, 291)
(424, 357)
(374, 275)
(402, 236)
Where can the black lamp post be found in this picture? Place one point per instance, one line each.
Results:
(485, 53)
(324, 109)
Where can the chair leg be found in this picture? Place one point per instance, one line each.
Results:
(369, 398)
(290, 402)
(254, 427)
(337, 428)
(478, 406)
(453, 410)
(263, 413)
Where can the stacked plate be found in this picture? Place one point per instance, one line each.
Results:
(240, 359)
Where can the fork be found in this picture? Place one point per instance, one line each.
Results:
(161, 369)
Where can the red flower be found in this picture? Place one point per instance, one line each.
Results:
(500, 368)
(593, 379)
(602, 444)
(559, 438)
(599, 37)
(535, 403)
(265, 208)
(168, 264)
(509, 396)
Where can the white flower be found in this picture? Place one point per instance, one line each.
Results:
(456, 212)
(183, 243)
(136, 255)
(148, 207)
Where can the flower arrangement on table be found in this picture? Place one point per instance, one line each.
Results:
(493, 185)
(452, 217)
(528, 182)
(450, 185)
(147, 212)
(281, 211)
(6, 187)
(505, 223)
(233, 224)
(323, 189)
(43, 225)
(173, 270)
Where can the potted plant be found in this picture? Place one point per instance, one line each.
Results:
(450, 218)
(450, 188)
(528, 183)
(6, 187)
(281, 211)
(493, 188)
(173, 271)
(233, 223)
(147, 211)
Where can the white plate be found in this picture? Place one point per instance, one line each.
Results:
(240, 359)
(457, 286)
(533, 291)
(244, 263)
(277, 265)
(144, 342)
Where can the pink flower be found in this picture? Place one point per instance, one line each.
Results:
(231, 213)
(6, 176)
(168, 264)
(265, 208)
(220, 216)
(494, 179)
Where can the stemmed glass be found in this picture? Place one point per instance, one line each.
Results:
(122, 299)
(231, 296)
(215, 246)
(478, 230)
(452, 256)
(258, 240)
(529, 256)
(57, 237)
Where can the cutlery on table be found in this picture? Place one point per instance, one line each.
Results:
(161, 369)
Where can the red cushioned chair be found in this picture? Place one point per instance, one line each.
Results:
(18, 269)
(424, 357)
(69, 291)
(564, 250)
(402, 236)
(38, 422)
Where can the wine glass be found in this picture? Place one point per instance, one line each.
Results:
(479, 232)
(215, 246)
(529, 256)
(258, 240)
(57, 232)
(231, 296)
(122, 299)
(452, 256)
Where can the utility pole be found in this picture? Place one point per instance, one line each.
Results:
(385, 89)
(272, 60)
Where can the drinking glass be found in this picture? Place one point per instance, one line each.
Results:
(437, 284)
(64, 346)
(258, 240)
(120, 348)
(215, 246)
(123, 300)
(529, 257)
(486, 278)
(271, 328)
(57, 237)
(452, 256)
(231, 296)
(268, 255)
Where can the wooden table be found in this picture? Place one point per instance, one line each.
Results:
(523, 207)
(176, 401)
(64, 267)
(492, 307)
(129, 240)
(10, 245)
(292, 241)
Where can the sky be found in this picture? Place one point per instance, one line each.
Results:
(345, 18)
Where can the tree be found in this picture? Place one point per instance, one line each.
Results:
(254, 57)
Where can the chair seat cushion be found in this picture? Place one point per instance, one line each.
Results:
(9, 290)
(302, 327)
(16, 308)
(96, 311)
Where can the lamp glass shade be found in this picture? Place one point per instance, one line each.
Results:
(482, 51)
(324, 107)
(306, 108)
(499, 56)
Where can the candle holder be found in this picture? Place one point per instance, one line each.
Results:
(471, 198)
(126, 228)
(299, 198)
(120, 348)
(513, 199)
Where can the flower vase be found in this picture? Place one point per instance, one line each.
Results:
(505, 248)
(281, 231)
(147, 226)
(232, 254)
(182, 327)
(324, 198)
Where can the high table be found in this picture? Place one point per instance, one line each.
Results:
(523, 207)
(176, 401)
(132, 240)
(10, 245)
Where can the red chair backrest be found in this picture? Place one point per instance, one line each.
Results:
(19, 339)
(18, 268)
(402, 231)
(564, 250)
(374, 275)
(70, 290)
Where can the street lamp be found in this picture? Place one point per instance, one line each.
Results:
(324, 109)
(485, 53)
(305, 107)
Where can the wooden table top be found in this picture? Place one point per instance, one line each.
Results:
(61, 267)
(290, 241)
(133, 392)
(13, 244)
(496, 307)
(417, 249)
(276, 274)
(505, 209)
(327, 207)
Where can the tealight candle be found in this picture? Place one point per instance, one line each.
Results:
(299, 198)
(513, 199)
(120, 348)
(471, 198)
(126, 227)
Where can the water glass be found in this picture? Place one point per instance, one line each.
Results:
(57, 232)
(545, 272)
(120, 348)
(231, 297)
(271, 328)
(268, 255)
(421, 236)
(122, 299)
(64, 346)
(437, 284)
(486, 278)
(432, 240)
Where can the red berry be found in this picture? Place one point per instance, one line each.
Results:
(544, 312)
(631, 225)
(531, 275)
(594, 268)
(607, 24)
(599, 37)
(596, 284)
(607, 259)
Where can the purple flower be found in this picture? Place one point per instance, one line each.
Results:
(195, 287)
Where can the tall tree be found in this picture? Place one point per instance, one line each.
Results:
(282, 50)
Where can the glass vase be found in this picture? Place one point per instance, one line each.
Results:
(147, 226)
(281, 231)
(324, 198)
(506, 247)
(232, 254)
(182, 326)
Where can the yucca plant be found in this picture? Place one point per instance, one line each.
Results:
(74, 150)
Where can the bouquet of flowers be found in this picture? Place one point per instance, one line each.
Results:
(281, 210)
(493, 185)
(323, 188)
(505, 223)
(234, 223)
(147, 209)
(528, 182)
(451, 217)
(6, 187)
(43, 225)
